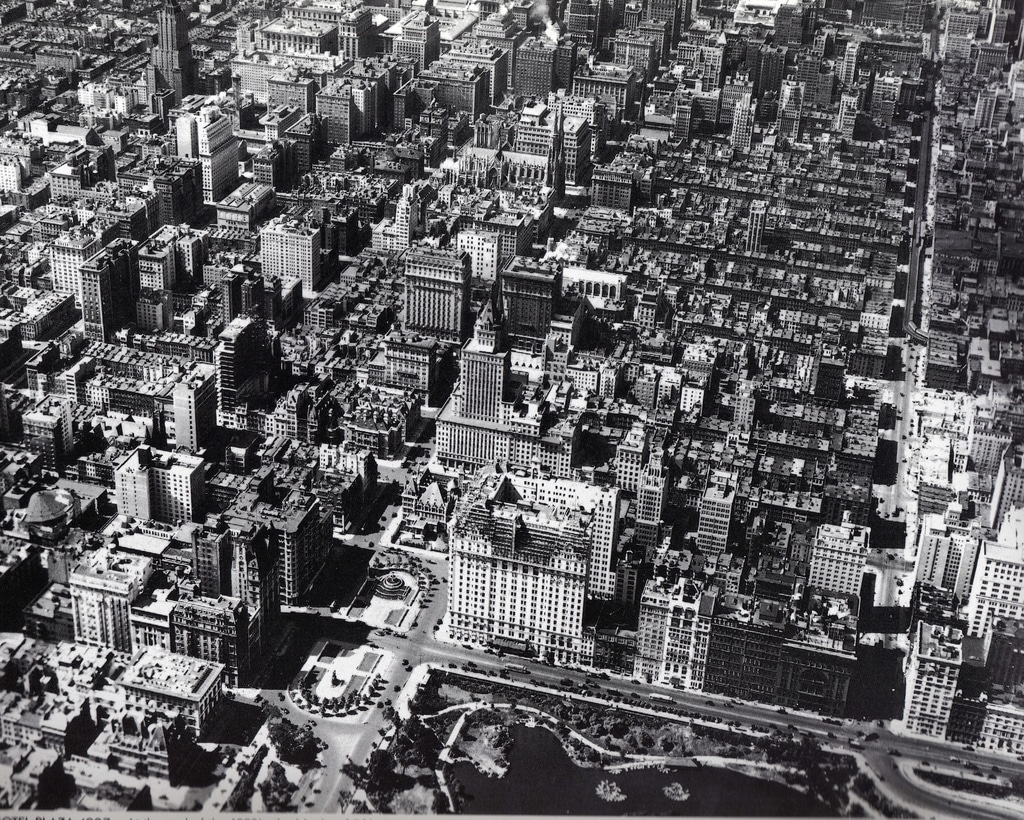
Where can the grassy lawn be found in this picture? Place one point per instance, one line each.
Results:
(305, 631)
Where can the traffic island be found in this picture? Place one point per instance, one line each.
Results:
(337, 679)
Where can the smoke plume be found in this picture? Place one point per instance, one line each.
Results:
(542, 9)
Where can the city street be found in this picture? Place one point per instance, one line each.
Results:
(755, 715)
(692, 334)
(894, 577)
(355, 737)
(904, 495)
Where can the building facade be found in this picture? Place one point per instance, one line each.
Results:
(103, 587)
(518, 573)
(156, 485)
(437, 292)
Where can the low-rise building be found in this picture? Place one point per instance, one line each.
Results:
(165, 685)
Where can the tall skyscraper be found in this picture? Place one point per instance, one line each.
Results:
(947, 551)
(162, 486)
(301, 530)
(602, 502)
(997, 592)
(234, 557)
(519, 571)
(214, 629)
(1009, 490)
(583, 20)
(791, 103)
(335, 102)
(933, 669)
(846, 119)
(577, 146)
(407, 211)
(639, 50)
(485, 369)
(743, 116)
(755, 225)
(771, 68)
(68, 253)
(530, 290)
(848, 67)
(212, 557)
(209, 137)
(236, 358)
(484, 249)
(790, 21)
(672, 633)
(103, 587)
(171, 65)
(437, 292)
(107, 285)
(195, 408)
(716, 514)
(565, 62)
(713, 59)
(420, 40)
(885, 97)
(290, 248)
(49, 427)
(652, 496)
(838, 557)
(535, 68)
(158, 262)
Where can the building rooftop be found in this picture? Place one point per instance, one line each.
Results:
(156, 670)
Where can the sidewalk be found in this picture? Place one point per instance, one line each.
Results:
(1010, 807)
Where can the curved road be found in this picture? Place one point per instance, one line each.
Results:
(752, 714)
(356, 736)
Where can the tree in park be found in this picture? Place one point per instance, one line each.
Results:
(277, 792)
(295, 744)
(379, 769)
(416, 745)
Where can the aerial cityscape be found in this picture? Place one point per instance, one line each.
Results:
(527, 407)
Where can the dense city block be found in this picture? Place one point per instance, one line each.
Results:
(396, 391)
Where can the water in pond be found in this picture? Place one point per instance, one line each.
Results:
(542, 779)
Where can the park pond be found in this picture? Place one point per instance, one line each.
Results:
(542, 779)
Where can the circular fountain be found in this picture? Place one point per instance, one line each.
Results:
(392, 587)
